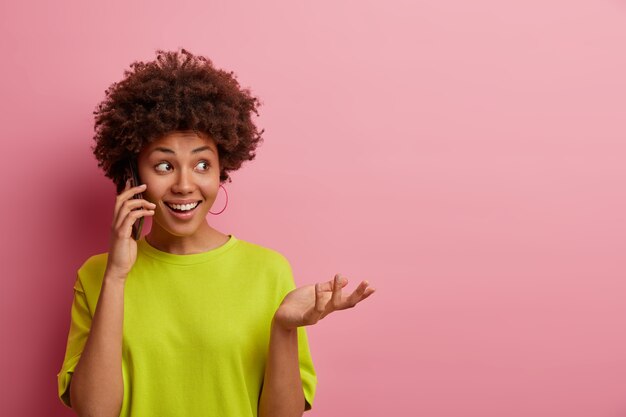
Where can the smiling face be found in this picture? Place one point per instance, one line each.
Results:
(182, 174)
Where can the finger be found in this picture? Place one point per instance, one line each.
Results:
(130, 205)
(359, 294)
(131, 191)
(336, 297)
(127, 194)
(319, 302)
(126, 228)
(326, 286)
(329, 286)
(119, 202)
(369, 291)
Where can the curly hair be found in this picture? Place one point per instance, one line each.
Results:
(176, 92)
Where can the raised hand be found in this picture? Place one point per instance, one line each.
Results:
(122, 247)
(309, 304)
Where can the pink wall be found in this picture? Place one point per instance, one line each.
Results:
(465, 157)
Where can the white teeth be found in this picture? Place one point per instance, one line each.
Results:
(184, 207)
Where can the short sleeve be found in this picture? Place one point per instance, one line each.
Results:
(79, 331)
(307, 370)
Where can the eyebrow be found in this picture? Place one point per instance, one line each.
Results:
(167, 150)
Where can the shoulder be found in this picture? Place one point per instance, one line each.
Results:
(91, 272)
(276, 269)
(263, 253)
(94, 264)
(265, 258)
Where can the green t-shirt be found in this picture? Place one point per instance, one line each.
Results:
(196, 329)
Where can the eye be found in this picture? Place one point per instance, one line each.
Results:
(163, 167)
(204, 165)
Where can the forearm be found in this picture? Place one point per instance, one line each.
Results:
(97, 387)
(282, 394)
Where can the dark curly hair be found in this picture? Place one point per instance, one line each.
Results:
(176, 92)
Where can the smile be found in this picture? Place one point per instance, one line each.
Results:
(183, 207)
(183, 211)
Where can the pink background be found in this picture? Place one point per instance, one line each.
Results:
(466, 157)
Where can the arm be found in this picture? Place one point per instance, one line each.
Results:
(282, 394)
(97, 387)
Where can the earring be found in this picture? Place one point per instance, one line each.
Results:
(224, 205)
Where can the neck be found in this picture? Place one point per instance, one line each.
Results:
(202, 240)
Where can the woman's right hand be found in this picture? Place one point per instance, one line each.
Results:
(122, 246)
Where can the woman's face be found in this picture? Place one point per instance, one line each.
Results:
(181, 171)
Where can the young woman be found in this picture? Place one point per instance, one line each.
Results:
(189, 321)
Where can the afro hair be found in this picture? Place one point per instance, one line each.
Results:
(178, 91)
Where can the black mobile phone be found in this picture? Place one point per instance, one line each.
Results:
(134, 181)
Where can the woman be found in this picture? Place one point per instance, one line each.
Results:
(189, 321)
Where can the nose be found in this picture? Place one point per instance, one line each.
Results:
(184, 182)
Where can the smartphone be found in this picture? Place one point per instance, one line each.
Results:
(134, 181)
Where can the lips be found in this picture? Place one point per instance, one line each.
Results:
(178, 210)
(183, 206)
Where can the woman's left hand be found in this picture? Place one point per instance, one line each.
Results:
(309, 304)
